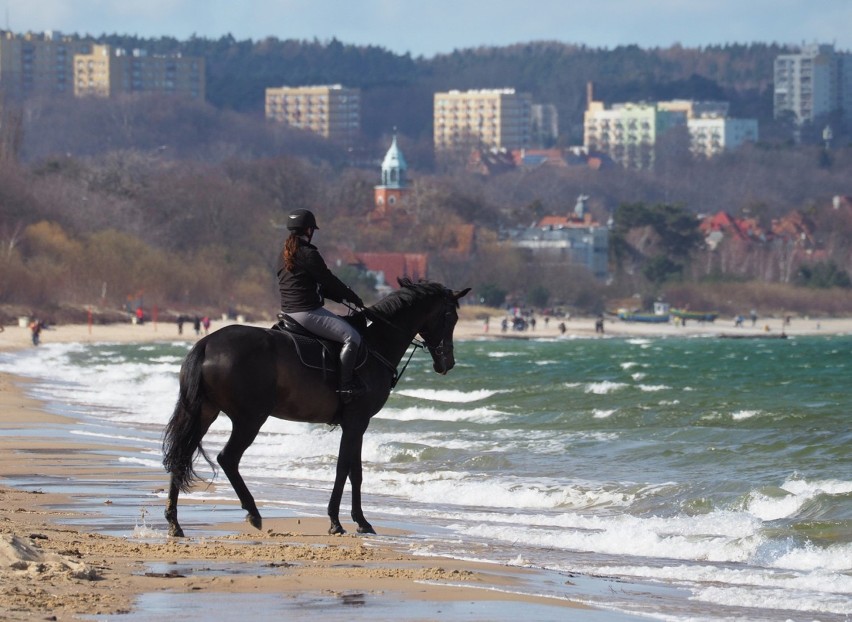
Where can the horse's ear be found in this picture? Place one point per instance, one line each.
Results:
(461, 293)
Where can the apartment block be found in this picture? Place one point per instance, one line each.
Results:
(628, 132)
(489, 119)
(332, 111)
(38, 64)
(710, 136)
(545, 125)
(107, 71)
(813, 82)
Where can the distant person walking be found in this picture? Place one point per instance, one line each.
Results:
(35, 328)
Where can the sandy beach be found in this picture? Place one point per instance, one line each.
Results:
(18, 337)
(75, 541)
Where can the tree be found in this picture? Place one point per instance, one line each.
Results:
(660, 269)
(823, 275)
(491, 295)
(538, 296)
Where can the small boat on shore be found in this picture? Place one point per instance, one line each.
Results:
(660, 315)
(650, 318)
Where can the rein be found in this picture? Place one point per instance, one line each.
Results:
(396, 373)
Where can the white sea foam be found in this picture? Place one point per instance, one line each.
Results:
(651, 388)
(824, 592)
(152, 464)
(457, 397)
(741, 415)
(731, 538)
(795, 493)
(800, 486)
(602, 414)
(484, 415)
(792, 600)
(604, 387)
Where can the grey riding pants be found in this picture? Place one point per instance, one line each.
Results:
(328, 325)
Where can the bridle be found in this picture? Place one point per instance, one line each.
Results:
(436, 351)
(439, 350)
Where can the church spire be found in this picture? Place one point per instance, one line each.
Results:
(394, 167)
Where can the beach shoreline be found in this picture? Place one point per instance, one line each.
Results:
(71, 545)
(16, 337)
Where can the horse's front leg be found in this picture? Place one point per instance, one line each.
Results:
(341, 473)
(355, 478)
(348, 465)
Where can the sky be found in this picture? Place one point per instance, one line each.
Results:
(430, 27)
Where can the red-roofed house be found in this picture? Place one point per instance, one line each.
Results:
(723, 224)
(388, 267)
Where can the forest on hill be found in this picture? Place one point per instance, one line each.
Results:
(177, 204)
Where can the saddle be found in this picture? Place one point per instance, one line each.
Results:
(314, 351)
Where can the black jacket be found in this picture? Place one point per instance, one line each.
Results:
(304, 288)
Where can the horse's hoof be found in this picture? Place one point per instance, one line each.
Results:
(366, 528)
(336, 530)
(175, 531)
(255, 521)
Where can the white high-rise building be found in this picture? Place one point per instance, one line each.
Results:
(711, 135)
(814, 82)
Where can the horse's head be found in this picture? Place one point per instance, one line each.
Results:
(437, 330)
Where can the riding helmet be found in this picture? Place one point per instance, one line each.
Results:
(301, 219)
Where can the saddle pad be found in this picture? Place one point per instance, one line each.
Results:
(316, 353)
(319, 353)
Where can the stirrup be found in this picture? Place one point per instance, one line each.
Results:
(351, 391)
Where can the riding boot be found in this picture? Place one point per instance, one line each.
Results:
(350, 388)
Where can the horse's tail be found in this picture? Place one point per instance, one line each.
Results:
(183, 433)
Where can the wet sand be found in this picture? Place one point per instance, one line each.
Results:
(82, 533)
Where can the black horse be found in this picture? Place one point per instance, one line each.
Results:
(253, 373)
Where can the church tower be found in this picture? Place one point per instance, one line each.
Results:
(392, 194)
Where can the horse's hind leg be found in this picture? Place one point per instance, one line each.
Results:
(207, 416)
(243, 434)
(171, 509)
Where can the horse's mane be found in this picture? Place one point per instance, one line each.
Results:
(408, 293)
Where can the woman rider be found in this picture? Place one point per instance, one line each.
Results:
(304, 280)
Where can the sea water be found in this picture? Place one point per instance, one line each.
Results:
(719, 470)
